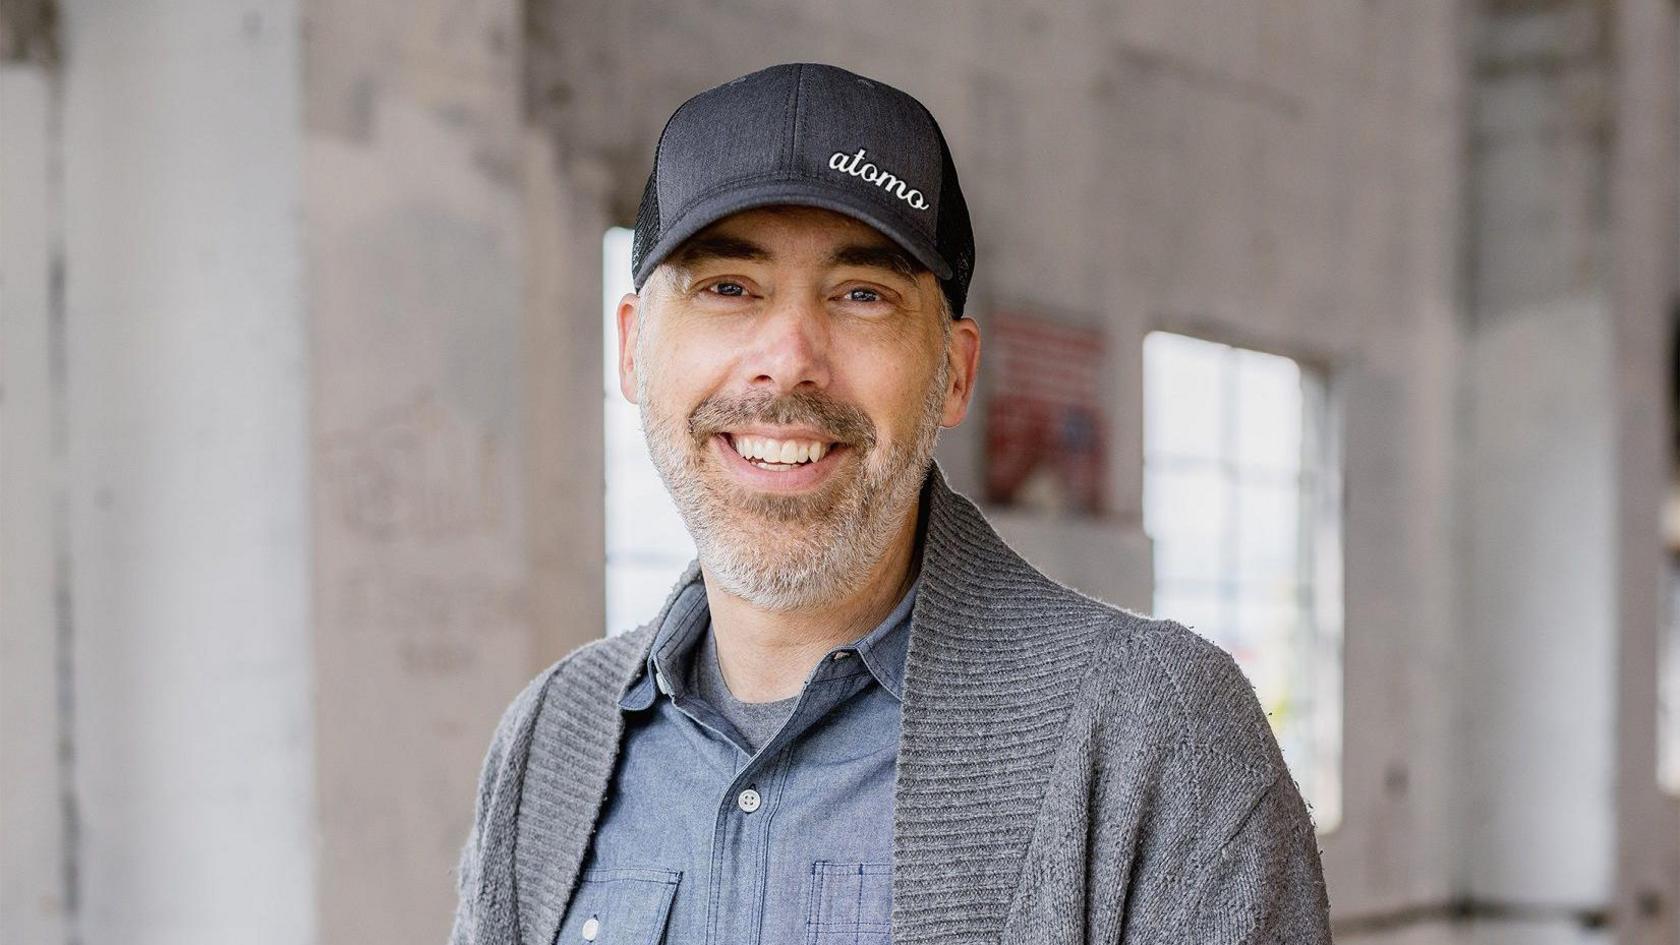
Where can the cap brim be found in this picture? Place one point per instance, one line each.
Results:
(750, 195)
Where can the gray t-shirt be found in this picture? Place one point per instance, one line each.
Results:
(758, 722)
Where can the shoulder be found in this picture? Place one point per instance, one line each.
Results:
(1159, 685)
(1154, 680)
(1173, 719)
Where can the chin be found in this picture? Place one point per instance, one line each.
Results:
(784, 567)
(778, 586)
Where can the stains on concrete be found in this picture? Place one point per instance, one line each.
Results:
(29, 32)
(417, 471)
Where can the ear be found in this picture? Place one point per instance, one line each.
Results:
(964, 357)
(629, 324)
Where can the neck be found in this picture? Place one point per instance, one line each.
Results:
(767, 655)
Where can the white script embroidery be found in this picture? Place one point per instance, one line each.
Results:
(853, 164)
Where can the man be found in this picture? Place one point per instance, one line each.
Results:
(859, 716)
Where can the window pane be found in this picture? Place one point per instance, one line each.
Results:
(641, 518)
(1268, 535)
(1668, 684)
(615, 281)
(636, 590)
(1269, 412)
(647, 544)
(1183, 399)
(1185, 513)
(1201, 608)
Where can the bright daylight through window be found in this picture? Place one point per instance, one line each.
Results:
(1242, 499)
(647, 544)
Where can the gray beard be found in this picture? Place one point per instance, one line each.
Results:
(781, 552)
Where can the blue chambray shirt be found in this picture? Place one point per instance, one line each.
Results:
(703, 842)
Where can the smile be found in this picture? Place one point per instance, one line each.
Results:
(767, 453)
(779, 463)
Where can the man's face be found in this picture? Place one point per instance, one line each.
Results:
(793, 368)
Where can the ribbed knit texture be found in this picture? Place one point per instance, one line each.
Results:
(1068, 771)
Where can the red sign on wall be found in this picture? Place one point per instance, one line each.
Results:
(1046, 433)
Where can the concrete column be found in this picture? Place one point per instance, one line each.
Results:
(1539, 611)
(1572, 242)
(1645, 252)
(35, 817)
(187, 384)
(415, 249)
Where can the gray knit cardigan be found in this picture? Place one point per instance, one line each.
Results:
(1068, 772)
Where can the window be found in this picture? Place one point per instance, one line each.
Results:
(1668, 671)
(1242, 500)
(647, 543)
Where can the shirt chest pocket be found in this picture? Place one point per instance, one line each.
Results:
(619, 907)
(850, 903)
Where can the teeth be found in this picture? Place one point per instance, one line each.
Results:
(784, 452)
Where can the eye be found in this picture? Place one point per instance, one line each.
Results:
(862, 295)
(731, 289)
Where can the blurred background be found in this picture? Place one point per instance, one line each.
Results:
(1339, 330)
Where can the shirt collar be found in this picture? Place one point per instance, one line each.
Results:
(883, 649)
(684, 620)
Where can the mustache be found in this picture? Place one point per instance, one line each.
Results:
(840, 422)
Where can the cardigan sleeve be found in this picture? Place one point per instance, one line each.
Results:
(469, 868)
(1265, 886)
(464, 929)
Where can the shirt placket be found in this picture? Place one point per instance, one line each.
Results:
(741, 834)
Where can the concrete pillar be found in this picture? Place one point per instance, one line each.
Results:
(1539, 401)
(35, 818)
(1571, 240)
(1644, 287)
(415, 255)
(186, 384)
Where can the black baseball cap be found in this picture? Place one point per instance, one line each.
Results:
(813, 135)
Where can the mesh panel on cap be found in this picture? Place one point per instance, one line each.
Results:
(647, 221)
(955, 239)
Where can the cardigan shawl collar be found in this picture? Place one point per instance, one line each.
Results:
(997, 655)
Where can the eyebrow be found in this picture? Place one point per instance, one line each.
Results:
(877, 255)
(700, 248)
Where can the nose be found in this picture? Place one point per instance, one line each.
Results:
(791, 346)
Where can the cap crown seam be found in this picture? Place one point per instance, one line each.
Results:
(793, 135)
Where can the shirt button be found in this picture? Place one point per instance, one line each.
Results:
(842, 655)
(659, 680)
(591, 928)
(748, 800)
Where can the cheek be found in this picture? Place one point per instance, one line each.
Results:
(890, 384)
(684, 371)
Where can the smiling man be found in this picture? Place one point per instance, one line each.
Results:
(859, 716)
